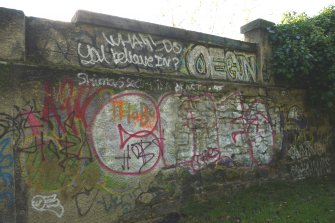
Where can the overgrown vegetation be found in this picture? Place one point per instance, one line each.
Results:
(304, 55)
(310, 200)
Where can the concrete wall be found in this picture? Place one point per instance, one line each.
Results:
(112, 120)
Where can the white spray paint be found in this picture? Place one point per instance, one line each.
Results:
(48, 203)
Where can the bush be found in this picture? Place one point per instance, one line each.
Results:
(304, 55)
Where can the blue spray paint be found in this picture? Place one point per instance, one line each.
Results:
(6, 177)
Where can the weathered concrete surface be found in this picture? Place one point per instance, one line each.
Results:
(91, 133)
(123, 50)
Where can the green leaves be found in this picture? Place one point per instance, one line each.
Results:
(303, 54)
(293, 17)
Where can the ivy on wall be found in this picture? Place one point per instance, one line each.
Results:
(304, 55)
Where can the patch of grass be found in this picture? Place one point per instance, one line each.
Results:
(311, 200)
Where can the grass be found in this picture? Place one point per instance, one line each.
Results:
(311, 200)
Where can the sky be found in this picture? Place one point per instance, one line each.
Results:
(217, 17)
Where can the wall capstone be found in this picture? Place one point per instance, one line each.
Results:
(12, 34)
(257, 31)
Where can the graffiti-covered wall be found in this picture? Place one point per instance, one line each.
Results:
(111, 120)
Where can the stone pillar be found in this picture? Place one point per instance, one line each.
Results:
(257, 32)
(12, 35)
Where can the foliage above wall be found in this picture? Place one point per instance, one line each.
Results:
(304, 55)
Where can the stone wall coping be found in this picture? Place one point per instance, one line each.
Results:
(98, 19)
(256, 24)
